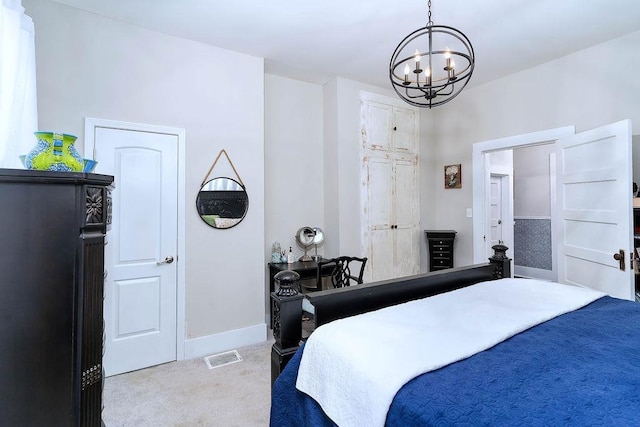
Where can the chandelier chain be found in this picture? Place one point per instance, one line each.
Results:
(429, 22)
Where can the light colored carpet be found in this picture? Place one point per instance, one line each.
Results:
(188, 393)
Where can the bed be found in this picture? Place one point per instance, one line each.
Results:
(575, 361)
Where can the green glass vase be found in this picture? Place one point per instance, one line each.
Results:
(54, 152)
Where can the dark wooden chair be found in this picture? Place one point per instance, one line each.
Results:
(346, 271)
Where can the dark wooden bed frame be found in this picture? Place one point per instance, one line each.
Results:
(338, 303)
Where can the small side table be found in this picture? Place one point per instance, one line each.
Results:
(440, 244)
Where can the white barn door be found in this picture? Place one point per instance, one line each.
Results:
(594, 209)
(141, 256)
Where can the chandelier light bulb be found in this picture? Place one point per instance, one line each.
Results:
(416, 56)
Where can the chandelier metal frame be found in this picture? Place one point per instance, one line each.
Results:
(428, 87)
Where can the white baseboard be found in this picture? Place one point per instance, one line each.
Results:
(230, 340)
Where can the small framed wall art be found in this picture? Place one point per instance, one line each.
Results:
(453, 176)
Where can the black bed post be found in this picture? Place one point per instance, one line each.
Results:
(501, 262)
(286, 321)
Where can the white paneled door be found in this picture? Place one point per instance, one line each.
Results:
(495, 212)
(141, 253)
(595, 213)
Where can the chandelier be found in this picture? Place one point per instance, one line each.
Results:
(432, 65)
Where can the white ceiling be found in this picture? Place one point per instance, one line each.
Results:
(317, 40)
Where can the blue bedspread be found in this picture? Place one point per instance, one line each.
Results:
(581, 368)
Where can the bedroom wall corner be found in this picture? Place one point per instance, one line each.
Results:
(89, 65)
(330, 177)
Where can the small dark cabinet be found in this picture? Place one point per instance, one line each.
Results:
(52, 226)
(440, 244)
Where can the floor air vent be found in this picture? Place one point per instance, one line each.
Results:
(222, 359)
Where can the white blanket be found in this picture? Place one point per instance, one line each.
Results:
(354, 367)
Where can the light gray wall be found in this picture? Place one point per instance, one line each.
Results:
(531, 183)
(331, 245)
(294, 161)
(88, 65)
(430, 176)
(587, 89)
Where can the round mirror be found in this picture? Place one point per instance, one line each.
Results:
(318, 236)
(305, 238)
(222, 202)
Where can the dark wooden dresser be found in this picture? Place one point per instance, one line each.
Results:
(440, 244)
(52, 226)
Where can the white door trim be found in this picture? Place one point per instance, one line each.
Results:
(554, 209)
(481, 177)
(90, 125)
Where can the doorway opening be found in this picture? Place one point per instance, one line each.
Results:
(504, 208)
(593, 215)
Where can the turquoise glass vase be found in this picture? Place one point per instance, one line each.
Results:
(54, 152)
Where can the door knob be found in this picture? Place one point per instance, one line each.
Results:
(167, 260)
(499, 221)
(620, 258)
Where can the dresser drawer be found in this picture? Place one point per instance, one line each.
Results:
(447, 254)
(441, 263)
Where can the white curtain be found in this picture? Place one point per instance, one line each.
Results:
(18, 108)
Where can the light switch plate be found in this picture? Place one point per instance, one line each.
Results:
(469, 212)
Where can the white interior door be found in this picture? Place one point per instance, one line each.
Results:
(495, 211)
(594, 209)
(141, 253)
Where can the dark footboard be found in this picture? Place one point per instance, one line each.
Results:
(337, 303)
